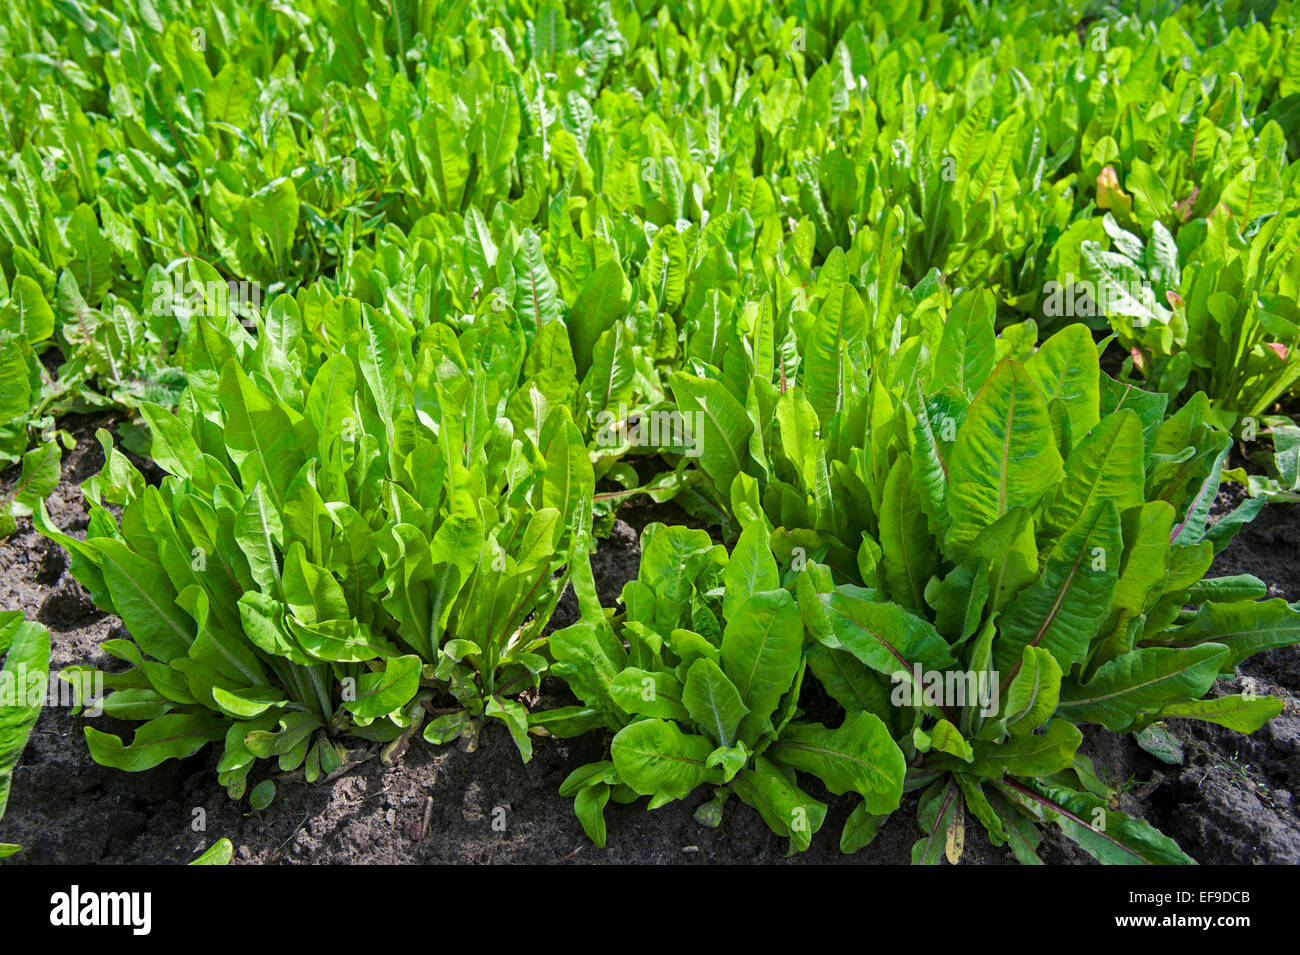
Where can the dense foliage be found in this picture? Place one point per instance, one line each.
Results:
(941, 316)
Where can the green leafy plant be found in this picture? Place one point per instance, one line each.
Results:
(1041, 570)
(25, 649)
(324, 554)
(699, 679)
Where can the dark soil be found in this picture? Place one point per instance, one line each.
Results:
(1231, 803)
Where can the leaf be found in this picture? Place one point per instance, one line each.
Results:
(1245, 628)
(537, 297)
(1062, 611)
(219, 853)
(860, 756)
(1236, 712)
(1140, 680)
(1161, 744)
(719, 425)
(1033, 695)
(761, 654)
(787, 810)
(589, 806)
(1114, 838)
(910, 555)
(1066, 368)
(713, 701)
(750, 569)
(174, 736)
(860, 829)
(515, 717)
(37, 480)
(604, 299)
(1004, 456)
(382, 692)
(262, 796)
(654, 757)
(1105, 466)
(884, 636)
(25, 647)
(27, 315)
(968, 347)
(1029, 756)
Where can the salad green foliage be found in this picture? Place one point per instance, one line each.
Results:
(406, 299)
(325, 553)
(700, 677)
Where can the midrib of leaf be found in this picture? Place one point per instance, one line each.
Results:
(917, 596)
(384, 395)
(1006, 454)
(260, 504)
(1224, 637)
(650, 754)
(844, 674)
(713, 711)
(1033, 698)
(532, 278)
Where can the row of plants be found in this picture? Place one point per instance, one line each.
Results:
(495, 245)
(1135, 176)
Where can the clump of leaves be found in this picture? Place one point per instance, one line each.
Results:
(1226, 322)
(326, 554)
(698, 680)
(1040, 567)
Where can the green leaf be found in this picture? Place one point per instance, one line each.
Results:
(1030, 756)
(1105, 466)
(1236, 712)
(968, 347)
(654, 757)
(382, 692)
(262, 796)
(1244, 628)
(219, 853)
(25, 647)
(761, 653)
(860, 756)
(1062, 611)
(1004, 456)
(787, 810)
(1110, 837)
(27, 315)
(1033, 695)
(1066, 368)
(713, 701)
(589, 806)
(1141, 680)
(537, 297)
(719, 425)
(860, 829)
(174, 736)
